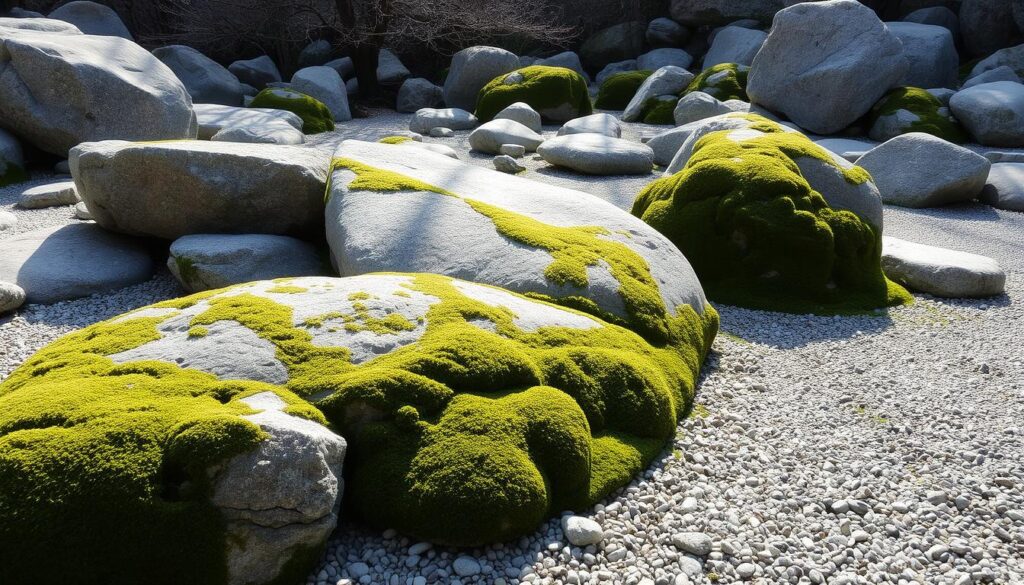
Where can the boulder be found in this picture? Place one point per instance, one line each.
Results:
(1012, 57)
(12, 160)
(417, 93)
(471, 70)
(920, 170)
(317, 52)
(426, 119)
(567, 59)
(276, 132)
(556, 93)
(939, 271)
(597, 154)
(613, 68)
(605, 124)
(316, 116)
(59, 88)
(324, 84)
(489, 137)
(171, 189)
(618, 89)
(734, 44)
(987, 26)
(1001, 73)
(367, 229)
(824, 64)
(697, 105)
(522, 113)
(390, 68)
(257, 72)
(665, 32)
(207, 261)
(1004, 188)
(992, 112)
(207, 81)
(725, 81)
(213, 118)
(937, 16)
(615, 43)
(92, 19)
(12, 297)
(849, 148)
(714, 12)
(344, 66)
(48, 195)
(931, 52)
(72, 261)
(506, 164)
(668, 80)
(658, 58)
(911, 109)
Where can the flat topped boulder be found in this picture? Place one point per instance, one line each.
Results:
(212, 118)
(499, 229)
(992, 112)
(940, 271)
(598, 154)
(208, 261)
(593, 124)
(426, 119)
(171, 189)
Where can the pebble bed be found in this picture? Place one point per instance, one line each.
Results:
(840, 450)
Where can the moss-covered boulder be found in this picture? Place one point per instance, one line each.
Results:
(912, 109)
(616, 91)
(758, 235)
(556, 93)
(470, 413)
(316, 117)
(725, 81)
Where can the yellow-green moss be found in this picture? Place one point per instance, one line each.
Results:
(198, 331)
(923, 105)
(316, 117)
(286, 289)
(733, 86)
(617, 90)
(757, 234)
(544, 88)
(394, 139)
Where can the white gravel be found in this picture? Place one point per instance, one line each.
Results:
(883, 449)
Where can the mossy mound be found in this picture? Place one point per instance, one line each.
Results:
(757, 234)
(485, 413)
(316, 117)
(659, 111)
(725, 81)
(933, 117)
(558, 94)
(616, 91)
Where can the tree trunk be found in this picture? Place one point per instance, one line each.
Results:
(364, 58)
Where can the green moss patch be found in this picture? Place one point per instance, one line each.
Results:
(543, 88)
(658, 111)
(316, 118)
(923, 105)
(395, 140)
(725, 81)
(617, 90)
(757, 234)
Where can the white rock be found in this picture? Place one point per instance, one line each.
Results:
(212, 118)
(939, 271)
(324, 84)
(581, 531)
(49, 195)
(696, 543)
(12, 297)
(513, 150)
(442, 133)
(597, 154)
(426, 119)
(697, 105)
(522, 113)
(665, 81)
(490, 136)
(275, 132)
(471, 70)
(82, 211)
(507, 164)
(7, 220)
(992, 112)
(605, 124)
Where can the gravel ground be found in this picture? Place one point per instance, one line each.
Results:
(882, 449)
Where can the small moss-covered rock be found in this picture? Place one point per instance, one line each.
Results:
(316, 117)
(558, 94)
(757, 234)
(619, 89)
(659, 110)
(725, 81)
(912, 109)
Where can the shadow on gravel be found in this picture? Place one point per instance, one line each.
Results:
(962, 211)
(788, 331)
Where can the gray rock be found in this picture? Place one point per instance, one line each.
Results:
(82, 211)
(597, 154)
(343, 65)
(665, 32)
(72, 261)
(1005, 187)
(257, 72)
(567, 59)
(703, 12)
(613, 68)
(489, 137)
(734, 44)
(513, 150)
(580, 531)
(665, 81)
(931, 52)
(920, 170)
(825, 64)
(986, 26)
(1012, 57)
(441, 132)
(390, 68)
(941, 272)
(466, 566)
(522, 113)
(417, 93)
(207, 81)
(19, 12)
(507, 164)
(171, 189)
(315, 53)
(471, 70)
(992, 112)
(696, 543)
(12, 297)
(605, 124)
(698, 105)
(12, 158)
(1001, 73)
(213, 118)
(849, 148)
(324, 84)
(427, 119)
(58, 89)
(276, 132)
(207, 261)
(615, 43)
(49, 195)
(938, 16)
(92, 19)
(658, 58)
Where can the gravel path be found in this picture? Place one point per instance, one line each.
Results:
(880, 449)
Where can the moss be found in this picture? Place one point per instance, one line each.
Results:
(285, 289)
(923, 105)
(316, 117)
(543, 88)
(757, 234)
(618, 89)
(659, 111)
(394, 139)
(732, 85)
(11, 174)
(198, 332)
(187, 271)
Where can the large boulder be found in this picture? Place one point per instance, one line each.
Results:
(213, 118)
(920, 170)
(667, 81)
(390, 69)
(665, 32)
(471, 70)
(1012, 57)
(735, 44)
(92, 19)
(598, 154)
(992, 112)
(616, 43)
(257, 72)
(498, 229)
(714, 12)
(987, 26)
(824, 64)
(59, 88)
(556, 93)
(325, 85)
(207, 261)
(207, 81)
(417, 93)
(941, 272)
(1004, 188)
(72, 261)
(171, 189)
(931, 52)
